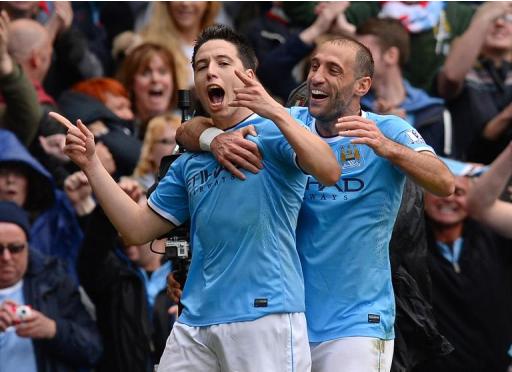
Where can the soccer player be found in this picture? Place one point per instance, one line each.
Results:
(344, 230)
(244, 298)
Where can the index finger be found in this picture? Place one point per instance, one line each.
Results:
(61, 119)
(244, 77)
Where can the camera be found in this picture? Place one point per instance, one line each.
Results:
(177, 248)
(21, 312)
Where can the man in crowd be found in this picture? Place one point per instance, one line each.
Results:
(257, 323)
(53, 331)
(344, 230)
(470, 268)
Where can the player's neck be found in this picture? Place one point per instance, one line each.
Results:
(230, 119)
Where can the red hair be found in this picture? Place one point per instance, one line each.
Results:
(99, 87)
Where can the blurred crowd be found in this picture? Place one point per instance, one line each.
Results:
(100, 304)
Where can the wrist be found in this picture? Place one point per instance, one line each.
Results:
(6, 66)
(206, 138)
(92, 166)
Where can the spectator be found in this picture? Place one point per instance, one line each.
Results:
(470, 268)
(56, 334)
(19, 108)
(23, 180)
(150, 77)
(476, 80)
(72, 59)
(104, 104)
(432, 26)
(391, 94)
(160, 140)
(177, 24)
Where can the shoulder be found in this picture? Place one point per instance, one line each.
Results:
(389, 123)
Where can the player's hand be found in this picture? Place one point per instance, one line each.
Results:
(37, 326)
(80, 145)
(174, 291)
(233, 151)
(254, 97)
(365, 132)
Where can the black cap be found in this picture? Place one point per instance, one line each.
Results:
(12, 213)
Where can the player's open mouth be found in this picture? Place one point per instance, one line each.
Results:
(317, 94)
(215, 95)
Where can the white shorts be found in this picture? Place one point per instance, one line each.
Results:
(352, 354)
(273, 343)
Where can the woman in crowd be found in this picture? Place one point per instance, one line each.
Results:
(160, 140)
(149, 75)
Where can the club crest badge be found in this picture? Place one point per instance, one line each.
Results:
(350, 157)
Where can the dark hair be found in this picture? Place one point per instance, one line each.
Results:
(221, 32)
(389, 33)
(363, 61)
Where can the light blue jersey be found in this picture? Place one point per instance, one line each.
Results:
(343, 237)
(245, 263)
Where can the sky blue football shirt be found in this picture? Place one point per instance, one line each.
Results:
(343, 236)
(245, 263)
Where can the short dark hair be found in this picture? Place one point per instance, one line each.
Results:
(389, 33)
(363, 60)
(221, 32)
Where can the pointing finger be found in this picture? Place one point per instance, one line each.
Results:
(61, 119)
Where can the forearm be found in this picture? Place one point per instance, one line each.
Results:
(188, 133)
(313, 154)
(23, 112)
(463, 55)
(121, 210)
(489, 186)
(496, 126)
(424, 168)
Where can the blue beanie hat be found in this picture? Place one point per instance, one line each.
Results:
(12, 213)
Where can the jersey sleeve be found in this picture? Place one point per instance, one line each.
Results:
(170, 198)
(403, 133)
(277, 148)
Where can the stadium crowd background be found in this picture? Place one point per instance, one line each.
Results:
(117, 66)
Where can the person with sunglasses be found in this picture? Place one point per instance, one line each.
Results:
(53, 331)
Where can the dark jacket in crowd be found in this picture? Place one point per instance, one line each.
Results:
(55, 230)
(134, 340)
(472, 305)
(417, 335)
(121, 138)
(77, 344)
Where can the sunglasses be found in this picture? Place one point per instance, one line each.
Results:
(13, 248)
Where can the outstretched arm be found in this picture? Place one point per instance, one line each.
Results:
(313, 154)
(422, 167)
(137, 224)
(465, 50)
(483, 203)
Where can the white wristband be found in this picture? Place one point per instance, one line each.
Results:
(206, 138)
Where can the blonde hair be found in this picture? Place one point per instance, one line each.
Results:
(154, 131)
(162, 29)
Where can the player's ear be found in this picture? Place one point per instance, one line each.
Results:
(363, 85)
